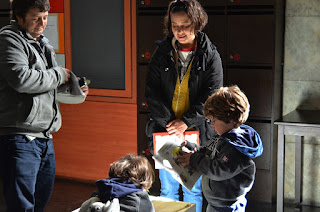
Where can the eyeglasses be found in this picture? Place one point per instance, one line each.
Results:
(178, 5)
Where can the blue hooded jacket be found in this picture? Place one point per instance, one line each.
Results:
(245, 139)
(132, 198)
(115, 188)
(227, 166)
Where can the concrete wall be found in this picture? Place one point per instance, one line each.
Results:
(302, 90)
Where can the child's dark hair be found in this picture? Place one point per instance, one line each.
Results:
(228, 104)
(192, 8)
(21, 7)
(134, 167)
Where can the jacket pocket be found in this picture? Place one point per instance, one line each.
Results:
(41, 113)
(33, 111)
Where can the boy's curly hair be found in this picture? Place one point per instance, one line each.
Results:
(228, 104)
(134, 167)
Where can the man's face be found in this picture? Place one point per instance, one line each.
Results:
(35, 22)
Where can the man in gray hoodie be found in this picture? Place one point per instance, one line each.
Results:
(29, 110)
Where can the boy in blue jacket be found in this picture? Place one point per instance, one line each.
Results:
(226, 163)
(129, 180)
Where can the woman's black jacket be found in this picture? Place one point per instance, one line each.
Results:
(206, 77)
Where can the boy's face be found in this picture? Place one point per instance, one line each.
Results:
(220, 126)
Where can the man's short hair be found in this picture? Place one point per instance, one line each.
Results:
(21, 7)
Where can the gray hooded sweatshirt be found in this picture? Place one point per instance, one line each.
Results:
(29, 77)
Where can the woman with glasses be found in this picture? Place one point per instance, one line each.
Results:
(184, 71)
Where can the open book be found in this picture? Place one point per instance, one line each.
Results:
(166, 157)
(160, 138)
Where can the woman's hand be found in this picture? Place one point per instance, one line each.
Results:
(176, 127)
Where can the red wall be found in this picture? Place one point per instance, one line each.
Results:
(93, 135)
(56, 6)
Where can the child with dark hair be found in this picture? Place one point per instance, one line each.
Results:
(129, 180)
(226, 164)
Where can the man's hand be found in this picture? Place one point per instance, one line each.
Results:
(67, 72)
(85, 90)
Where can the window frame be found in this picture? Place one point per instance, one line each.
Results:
(128, 95)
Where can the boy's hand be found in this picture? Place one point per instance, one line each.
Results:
(189, 145)
(184, 143)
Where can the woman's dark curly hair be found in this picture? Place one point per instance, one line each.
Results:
(192, 8)
(134, 167)
(21, 7)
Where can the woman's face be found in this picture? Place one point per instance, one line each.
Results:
(182, 29)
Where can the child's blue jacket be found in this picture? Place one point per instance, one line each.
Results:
(132, 198)
(227, 165)
(246, 140)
